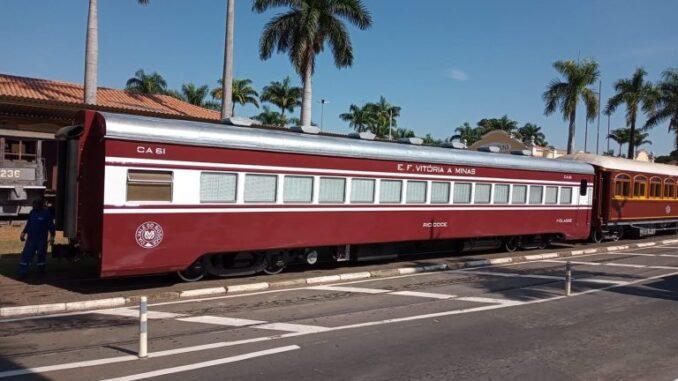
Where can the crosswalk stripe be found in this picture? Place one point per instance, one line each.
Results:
(134, 313)
(423, 295)
(218, 320)
(289, 327)
(358, 290)
(478, 299)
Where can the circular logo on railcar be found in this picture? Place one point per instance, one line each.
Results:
(149, 234)
(668, 209)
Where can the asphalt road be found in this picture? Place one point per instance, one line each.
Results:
(494, 323)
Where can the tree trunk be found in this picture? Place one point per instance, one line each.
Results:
(632, 140)
(308, 95)
(570, 135)
(91, 55)
(227, 105)
(620, 147)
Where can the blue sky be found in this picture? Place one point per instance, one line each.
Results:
(444, 62)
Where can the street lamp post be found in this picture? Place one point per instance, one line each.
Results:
(600, 95)
(390, 122)
(322, 112)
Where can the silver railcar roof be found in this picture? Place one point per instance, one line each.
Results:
(147, 129)
(622, 164)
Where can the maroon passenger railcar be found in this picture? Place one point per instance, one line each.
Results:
(153, 195)
(631, 197)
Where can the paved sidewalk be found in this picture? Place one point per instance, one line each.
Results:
(65, 284)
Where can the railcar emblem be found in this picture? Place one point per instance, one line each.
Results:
(668, 209)
(149, 235)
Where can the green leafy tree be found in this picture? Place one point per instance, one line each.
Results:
(503, 123)
(403, 133)
(92, 51)
(196, 95)
(243, 93)
(564, 94)
(143, 83)
(667, 104)
(270, 117)
(620, 136)
(283, 95)
(530, 132)
(635, 93)
(383, 116)
(305, 29)
(467, 134)
(358, 118)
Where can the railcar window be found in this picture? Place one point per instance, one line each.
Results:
(640, 186)
(298, 189)
(332, 190)
(20, 149)
(566, 196)
(655, 187)
(669, 188)
(483, 194)
(622, 186)
(390, 191)
(218, 187)
(416, 192)
(143, 185)
(462, 193)
(261, 188)
(583, 188)
(536, 193)
(551, 196)
(440, 193)
(519, 194)
(501, 194)
(362, 190)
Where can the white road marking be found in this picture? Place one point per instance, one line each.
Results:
(646, 254)
(217, 320)
(205, 364)
(297, 328)
(358, 290)
(478, 299)
(613, 264)
(223, 344)
(134, 313)
(601, 281)
(423, 295)
(514, 275)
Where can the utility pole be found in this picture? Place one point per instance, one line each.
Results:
(227, 88)
(608, 132)
(390, 121)
(322, 112)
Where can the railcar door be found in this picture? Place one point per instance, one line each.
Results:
(584, 201)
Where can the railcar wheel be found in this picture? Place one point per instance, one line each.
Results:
(597, 235)
(275, 263)
(193, 273)
(511, 244)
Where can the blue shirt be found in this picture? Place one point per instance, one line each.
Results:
(39, 223)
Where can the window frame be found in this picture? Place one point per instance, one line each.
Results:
(275, 192)
(529, 195)
(508, 194)
(546, 189)
(470, 193)
(672, 183)
(407, 193)
(400, 194)
(130, 181)
(284, 193)
(526, 194)
(374, 190)
(343, 198)
(237, 182)
(623, 178)
(475, 193)
(645, 186)
(655, 184)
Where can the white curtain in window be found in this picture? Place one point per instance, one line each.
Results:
(416, 192)
(536, 193)
(260, 188)
(332, 190)
(501, 194)
(298, 189)
(551, 196)
(462, 193)
(362, 190)
(218, 187)
(390, 191)
(519, 194)
(440, 193)
(482, 195)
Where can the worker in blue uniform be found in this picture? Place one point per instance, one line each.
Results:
(38, 226)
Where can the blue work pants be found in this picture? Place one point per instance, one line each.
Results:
(32, 247)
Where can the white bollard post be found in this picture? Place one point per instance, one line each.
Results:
(143, 327)
(568, 278)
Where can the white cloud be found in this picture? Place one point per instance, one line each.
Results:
(457, 74)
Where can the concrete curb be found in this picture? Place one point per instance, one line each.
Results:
(41, 309)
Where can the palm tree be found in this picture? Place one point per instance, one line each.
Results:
(635, 93)
(195, 95)
(283, 95)
(243, 93)
(227, 105)
(270, 117)
(303, 31)
(640, 138)
(667, 105)
(503, 123)
(92, 52)
(530, 132)
(143, 83)
(564, 95)
(383, 115)
(358, 118)
(620, 136)
(403, 133)
(467, 134)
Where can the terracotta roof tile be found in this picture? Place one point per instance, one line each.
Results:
(54, 92)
